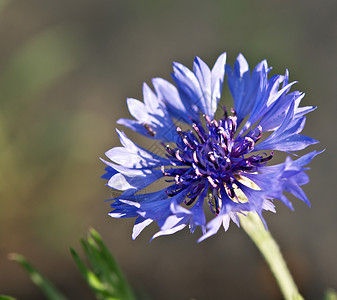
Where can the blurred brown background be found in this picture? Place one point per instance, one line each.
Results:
(66, 68)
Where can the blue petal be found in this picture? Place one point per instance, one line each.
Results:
(131, 205)
(152, 117)
(297, 192)
(245, 87)
(286, 137)
(238, 83)
(129, 178)
(201, 89)
(168, 93)
(135, 181)
(305, 159)
(255, 197)
(277, 112)
(135, 126)
(133, 156)
(159, 210)
(189, 88)
(211, 83)
(172, 224)
(285, 177)
(152, 103)
(289, 143)
(133, 199)
(267, 94)
(198, 216)
(300, 111)
(194, 216)
(109, 173)
(213, 226)
(138, 110)
(229, 210)
(217, 78)
(203, 75)
(139, 226)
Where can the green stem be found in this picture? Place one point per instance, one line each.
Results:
(254, 227)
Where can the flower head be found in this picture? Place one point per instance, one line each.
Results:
(218, 161)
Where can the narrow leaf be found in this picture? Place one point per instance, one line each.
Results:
(46, 287)
(330, 294)
(112, 264)
(4, 297)
(103, 275)
(92, 280)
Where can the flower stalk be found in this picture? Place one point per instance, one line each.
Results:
(253, 226)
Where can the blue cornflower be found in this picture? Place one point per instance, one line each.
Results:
(218, 161)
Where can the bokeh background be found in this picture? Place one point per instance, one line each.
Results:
(66, 68)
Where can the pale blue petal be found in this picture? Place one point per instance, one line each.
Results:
(152, 117)
(213, 226)
(133, 156)
(291, 143)
(278, 110)
(139, 226)
(134, 180)
(189, 88)
(170, 96)
(246, 88)
(217, 78)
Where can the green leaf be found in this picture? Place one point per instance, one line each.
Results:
(104, 276)
(92, 280)
(46, 287)
(330, 294)
(4, 297)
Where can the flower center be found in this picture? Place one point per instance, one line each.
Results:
(212, 157)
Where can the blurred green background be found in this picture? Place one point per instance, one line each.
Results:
(66, 68)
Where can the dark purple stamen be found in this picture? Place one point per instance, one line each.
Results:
(212, 158)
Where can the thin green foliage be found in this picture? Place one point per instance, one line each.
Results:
(46, 287)
(330, 294)
(4, 297)
(104, 276)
